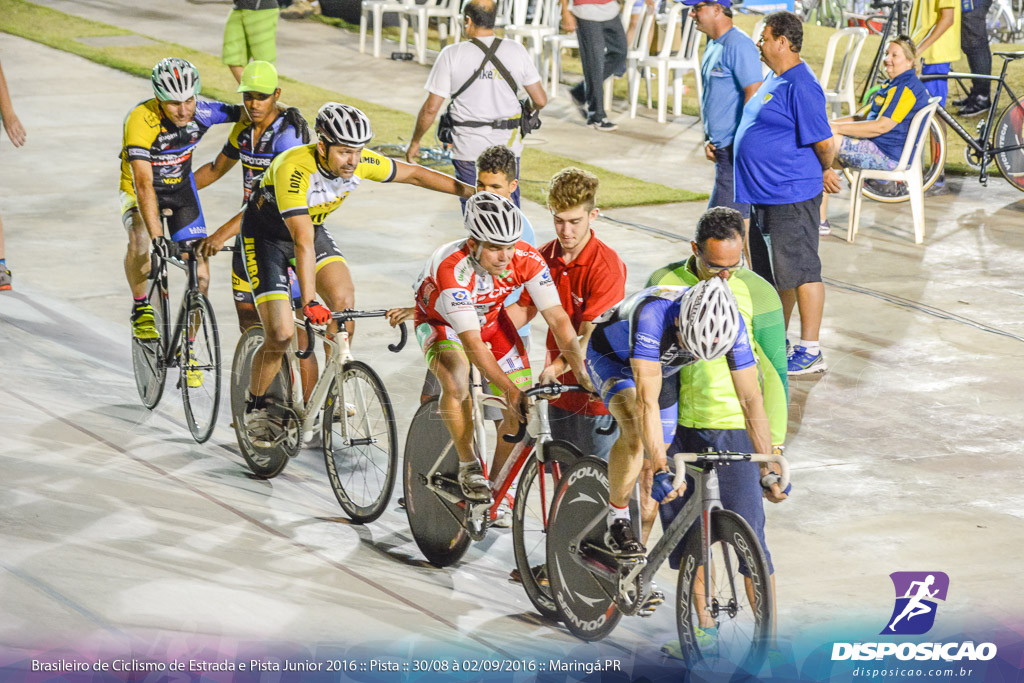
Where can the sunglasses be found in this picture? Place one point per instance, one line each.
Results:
(716, 269)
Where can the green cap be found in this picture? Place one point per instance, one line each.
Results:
(259, 77)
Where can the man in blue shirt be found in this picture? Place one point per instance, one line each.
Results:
(783, 155)
(731, 73)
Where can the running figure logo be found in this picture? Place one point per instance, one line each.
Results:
(916, 592)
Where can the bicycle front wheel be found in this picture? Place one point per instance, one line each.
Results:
(200, 368)
(1008, 132)
(360, 443)
(933, 160)
(148, 355)
(741, 600)
(534, 493)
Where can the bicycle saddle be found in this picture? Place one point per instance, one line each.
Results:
(1009, 56)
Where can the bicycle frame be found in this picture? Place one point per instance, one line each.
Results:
(190, 266)
(701, 467)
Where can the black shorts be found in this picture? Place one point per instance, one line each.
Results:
(790, 233)
(240, 288)
(267, 262)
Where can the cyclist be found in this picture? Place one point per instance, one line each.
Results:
(634, 358)
(283, 222)
(270, 130)
(156, 175)
(460, 313)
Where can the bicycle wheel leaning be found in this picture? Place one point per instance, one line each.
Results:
(264, 462)
(530, 516)
(933, 160)
(360, 442)
(200, 368)
(1007, 132)
(434, 521)
(582, 600)
(148, 355)
(743, 628)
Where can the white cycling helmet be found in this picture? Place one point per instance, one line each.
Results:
(175, 80)
(709, 319)
(492, 218)
(341, 124)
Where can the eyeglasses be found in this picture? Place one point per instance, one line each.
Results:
(716, 269)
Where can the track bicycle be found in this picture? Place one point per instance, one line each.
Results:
(192, 345)
(1005, 21)
(357, 423)
(593, 588)
(443, 521)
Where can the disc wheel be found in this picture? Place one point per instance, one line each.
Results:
(148, 355)
(741, 600)
(265, 463)
(360, 442)
(434, 521)
(530, 515)
(583, 600)
(1007, 133)
(199, 366)
(933, 159)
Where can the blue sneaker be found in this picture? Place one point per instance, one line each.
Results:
(803, 363)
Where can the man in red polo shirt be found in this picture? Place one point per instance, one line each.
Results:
(590, 278)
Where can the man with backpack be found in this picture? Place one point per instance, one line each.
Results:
(480, 77)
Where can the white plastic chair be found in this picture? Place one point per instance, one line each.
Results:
(531, 34)
(843, 92)
(674, 65)
(377, 9)
(634, 56)
(908, 170)
(502, 14)
(447, 14)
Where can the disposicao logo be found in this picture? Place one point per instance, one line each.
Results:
(912, 615)
(916, 593)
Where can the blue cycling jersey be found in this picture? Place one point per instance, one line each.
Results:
(643, 326)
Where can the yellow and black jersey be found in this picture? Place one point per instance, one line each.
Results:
(296, 184)
(150, 136)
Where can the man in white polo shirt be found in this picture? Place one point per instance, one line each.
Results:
(484, 103)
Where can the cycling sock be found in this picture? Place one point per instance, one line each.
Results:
(615, 512)
(256, 402)
(141, 300)
(812, 347)
(3, 263)
(464, 465)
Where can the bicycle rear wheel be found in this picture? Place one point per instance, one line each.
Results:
(199, 368)
(741, 610)
(360, 443)
(434, 522)
(264, 462)
(534, 494)
(933, 160)
(1007, 132)
(148, 355)
(584, 601)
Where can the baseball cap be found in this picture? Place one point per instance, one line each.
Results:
(723, 3)
(259, 77)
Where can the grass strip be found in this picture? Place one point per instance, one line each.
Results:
(61, 31)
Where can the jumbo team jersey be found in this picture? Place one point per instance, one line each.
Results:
(643, 326)
(296, 184)
(150, 136)
(454, 291)
(256, 155)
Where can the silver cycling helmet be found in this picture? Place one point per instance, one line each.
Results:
(492, 218)
(175, 80)
(709, 319)
(341, 124)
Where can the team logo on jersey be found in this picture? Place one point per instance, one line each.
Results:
(767, 98)
(458, 298)
(916, 595)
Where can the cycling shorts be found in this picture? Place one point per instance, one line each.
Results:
(501, 337)
(240, 281)
(185, 222)
(268, 261)
(611, 375)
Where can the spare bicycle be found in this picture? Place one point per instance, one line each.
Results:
(192, 345)
(593, 588)
(357, 423)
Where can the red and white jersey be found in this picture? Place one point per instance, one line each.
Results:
(455, 291)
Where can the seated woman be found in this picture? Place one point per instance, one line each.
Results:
(876, 140)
